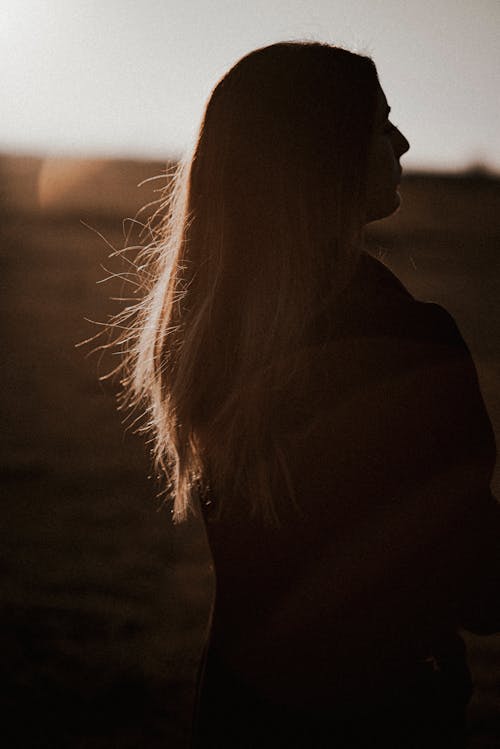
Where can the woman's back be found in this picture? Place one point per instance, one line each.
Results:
(353, 604)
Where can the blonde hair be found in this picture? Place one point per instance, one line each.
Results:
(262, 230)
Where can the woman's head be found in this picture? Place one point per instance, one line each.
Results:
(265, 231)
(284, 144)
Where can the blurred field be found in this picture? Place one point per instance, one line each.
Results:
(104, 602)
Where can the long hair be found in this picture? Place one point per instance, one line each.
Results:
(263, 229)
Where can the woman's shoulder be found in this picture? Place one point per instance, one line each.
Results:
(390, 309)
(393, 352)
(378, 327)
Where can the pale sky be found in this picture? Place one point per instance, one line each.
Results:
(131, 77)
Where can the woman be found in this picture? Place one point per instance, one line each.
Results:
(329, 426)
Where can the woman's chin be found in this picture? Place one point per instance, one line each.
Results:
(385, 208)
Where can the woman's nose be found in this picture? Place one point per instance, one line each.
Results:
(403, 145)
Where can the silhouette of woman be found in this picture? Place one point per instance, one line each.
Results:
(329, 426)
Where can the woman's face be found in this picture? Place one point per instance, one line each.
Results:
(387, 146)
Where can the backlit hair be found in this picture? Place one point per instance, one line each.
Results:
(263, 228)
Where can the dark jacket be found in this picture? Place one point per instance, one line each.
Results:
(347, 614)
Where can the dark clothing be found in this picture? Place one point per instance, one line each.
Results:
(340, 626)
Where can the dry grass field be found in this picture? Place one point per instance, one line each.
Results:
(104, 601)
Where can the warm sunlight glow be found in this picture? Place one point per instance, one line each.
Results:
(58, 178)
